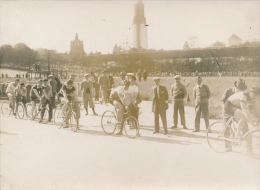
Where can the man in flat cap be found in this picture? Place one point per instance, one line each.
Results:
(178, 92)
(159, 104)
(87, 90)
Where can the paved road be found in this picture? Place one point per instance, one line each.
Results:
(42, 156)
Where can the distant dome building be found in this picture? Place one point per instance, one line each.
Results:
(76, 46)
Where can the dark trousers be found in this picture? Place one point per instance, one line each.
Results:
(53, 101)
(178, 106)
(44, 104)
(201, 108)
(97, 93)
(163, 118)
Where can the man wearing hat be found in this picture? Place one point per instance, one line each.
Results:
(239, 85)
(201, 94)
(87, 90)
(103, 81)
(159, 104)
(178, 91)
(47, 95)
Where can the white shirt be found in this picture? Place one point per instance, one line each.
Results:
(11, 88)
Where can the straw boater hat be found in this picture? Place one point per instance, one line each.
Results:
(240, 84)
(177, 77)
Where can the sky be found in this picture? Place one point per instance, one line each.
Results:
(101, 24)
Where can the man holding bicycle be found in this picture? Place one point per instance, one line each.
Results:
(69, 95)
(120, 98)
(20, 93)
(36, 95)
(10, 91)
(47, 94)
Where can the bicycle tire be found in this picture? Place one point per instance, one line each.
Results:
(255, 142)
(46, 114)
(216, 136)
(108, 122)
(29, 110)
(58, 116)
(20, 111)
(73, 121)
(131, 127)
(6, 109)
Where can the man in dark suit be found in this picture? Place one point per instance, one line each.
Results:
(160, 104)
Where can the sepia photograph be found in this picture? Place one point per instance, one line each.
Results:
(130, 95)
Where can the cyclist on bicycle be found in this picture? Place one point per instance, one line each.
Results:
(120, 98)
(10, 91)
(237, 105)
(36, 95)
(69, 95)
(21, 93)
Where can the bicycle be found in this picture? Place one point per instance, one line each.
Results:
(57, 115)
(130, 124)
(222, 135)
(37, 111)
(71, 116)
(6, 108)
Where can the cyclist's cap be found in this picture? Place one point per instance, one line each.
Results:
(40, 81)
(240, 84)
(45, 80)
(22, 84)
(50, 76)
(126, 82)
(255, 90)
(156, 78)
(177, 77)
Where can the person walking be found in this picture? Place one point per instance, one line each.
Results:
(179, 92)
(201, 93)
(87, 89)
(95, 85)
(103, 81)
(159, 105)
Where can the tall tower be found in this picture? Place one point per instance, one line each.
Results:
(76, 46)
(140, 28)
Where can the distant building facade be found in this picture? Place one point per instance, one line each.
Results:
(140, 27)
(234, 40)
(76, 46)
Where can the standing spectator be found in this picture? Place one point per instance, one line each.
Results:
(201, 93)
(103, 81)
(159, 104)
(53, 84)
(3, 75)
(59, 85)
(179, 92)
(95, 85)
(139, 75)
(87, 89)
(111, 83)
(145, 75)
(47, 94)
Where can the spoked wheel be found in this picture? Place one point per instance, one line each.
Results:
(253, 140)
(131, 127)
(74, 122)
(108, 122)
(220, 136)
(58, 116)
(29, 111)
(20, 111)
(6, 108)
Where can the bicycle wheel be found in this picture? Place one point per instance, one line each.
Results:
(108, 122)
(20, 111)
(58, 116)
(253, 140)
(46, 114)
(220, 136)
(131, 127)
(73, 121)
(6, 109)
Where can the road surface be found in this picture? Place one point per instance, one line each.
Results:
(42, 156)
